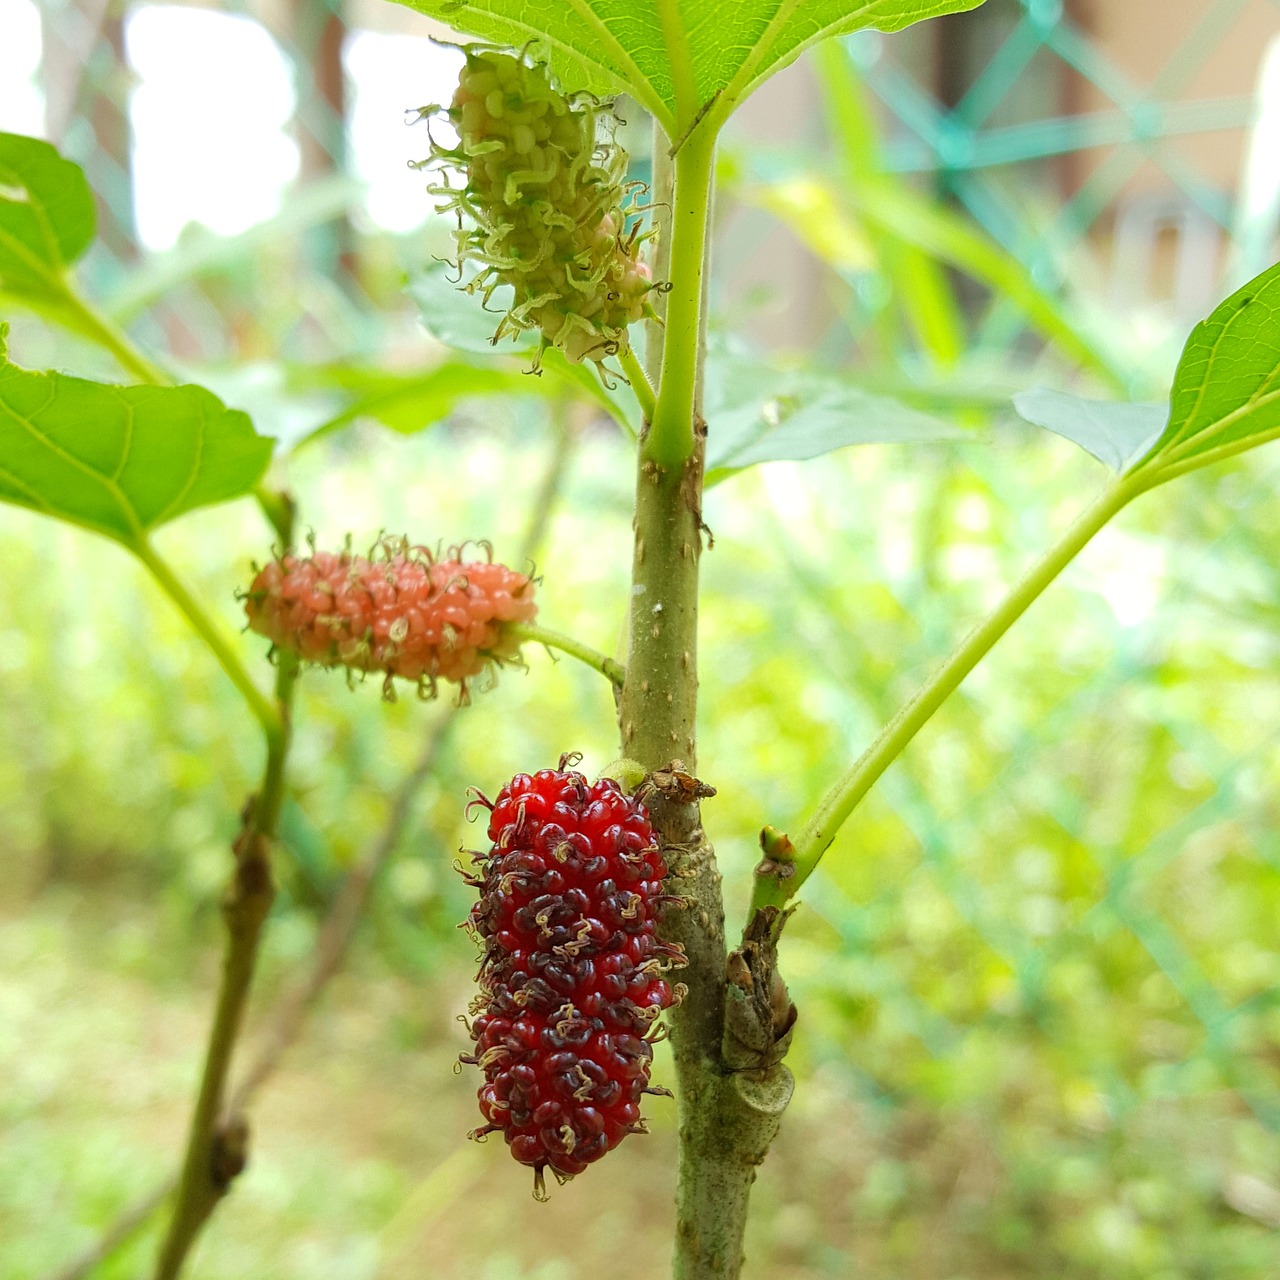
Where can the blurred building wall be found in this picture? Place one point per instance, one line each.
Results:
(1213, 51)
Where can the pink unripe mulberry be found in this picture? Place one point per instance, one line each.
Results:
(571, 976)
(403, 613)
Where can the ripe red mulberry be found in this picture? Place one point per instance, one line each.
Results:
(403, 613)
(571, 977)
(544, 206)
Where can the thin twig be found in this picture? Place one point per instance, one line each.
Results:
(217, 1145)
(287, 1017)
(339, 927)
(267, 715)
(639, 382)
(789, 863)
(612, 671)
(568, 428)
(217, 1149)
(121, 1231)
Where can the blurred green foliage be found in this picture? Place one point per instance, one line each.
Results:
(1036, 974)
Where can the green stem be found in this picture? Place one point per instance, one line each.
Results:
(661, 194)
(217, 1144)
(88, 321)
(279, 511)
(639, 381)
(607, 667)
(209, 631)
(728, 1115)
(670, 439)
(780, 876)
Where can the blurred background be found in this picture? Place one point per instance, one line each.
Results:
(1040, 1021)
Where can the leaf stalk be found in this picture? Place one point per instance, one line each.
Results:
(607, 667)
(267, 716)
(777, 880)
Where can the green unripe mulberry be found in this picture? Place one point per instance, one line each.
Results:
(543, 207)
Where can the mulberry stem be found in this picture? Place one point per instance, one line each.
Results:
(639, 381)
(607, 667)
(728, 1118)
(670, 440)
(209, 631)
(216, 1145)
(85, 319)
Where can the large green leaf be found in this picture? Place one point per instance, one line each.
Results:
(46, 219)
(1225, 399)
(676, 57)
(459, 319)
(1116, 433)
(119, 460)
(1226, 392)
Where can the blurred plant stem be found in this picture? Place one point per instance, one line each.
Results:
(121, 1231)
(217, 1145)
(607, 667)
(788, 864)
(333, 940)
(82, 317)
(267, 715)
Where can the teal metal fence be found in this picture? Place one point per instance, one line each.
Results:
(988, 146)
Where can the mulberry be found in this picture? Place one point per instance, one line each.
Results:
(402, 612)
(544, 206)
(571, 981)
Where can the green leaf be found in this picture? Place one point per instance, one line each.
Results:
(409, 403)
(119, 460)
(756, 414)
(676, 57)
(1226, 392)
(1115, 433)
(46, 219)
(459, 319)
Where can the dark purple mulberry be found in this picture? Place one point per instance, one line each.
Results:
(571, 981)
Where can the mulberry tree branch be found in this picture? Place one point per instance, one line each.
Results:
(640, 383)
(732, 1086)
(787, 865)
(216, 1144)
